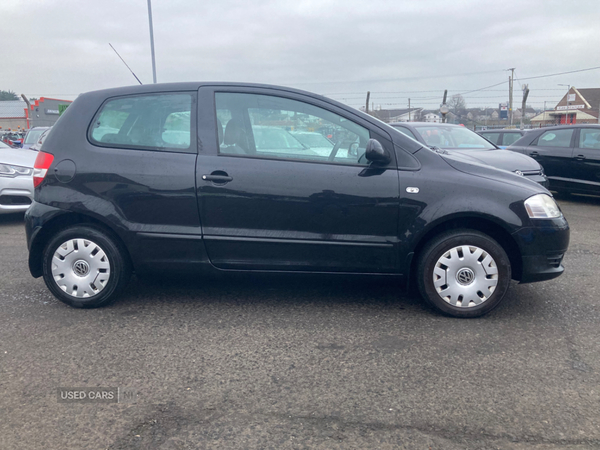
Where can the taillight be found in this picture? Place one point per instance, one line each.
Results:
(40, 167)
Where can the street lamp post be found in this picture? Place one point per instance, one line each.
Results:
(152, 41)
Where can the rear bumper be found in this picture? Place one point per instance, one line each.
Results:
(542, 249)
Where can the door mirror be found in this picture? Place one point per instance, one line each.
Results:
(376, 153)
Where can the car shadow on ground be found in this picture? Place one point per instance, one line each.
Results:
(12, 219)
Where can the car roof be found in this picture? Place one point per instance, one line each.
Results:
(426, 124)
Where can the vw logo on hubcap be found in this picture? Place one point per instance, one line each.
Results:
(465, 276)
(81, 268)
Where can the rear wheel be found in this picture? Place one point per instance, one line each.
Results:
(85, 267)
(463, 273)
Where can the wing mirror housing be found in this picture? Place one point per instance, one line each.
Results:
(376, 153)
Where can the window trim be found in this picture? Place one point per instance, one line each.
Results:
(193, 147)
(536, 141)
(298, 98)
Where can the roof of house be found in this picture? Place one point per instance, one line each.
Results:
(13, 109)
(592, 96)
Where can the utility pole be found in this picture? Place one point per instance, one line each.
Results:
(510, 95)
(409, 109)
(152, 41)
(525, 94)
(444, 108)
(367, 104)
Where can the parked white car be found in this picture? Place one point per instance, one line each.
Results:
(16, 178)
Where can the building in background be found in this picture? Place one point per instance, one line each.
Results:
(13, 115)
(577, 106)
(42, 113)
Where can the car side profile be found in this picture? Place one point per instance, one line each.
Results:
(174, 178)
(570, 155)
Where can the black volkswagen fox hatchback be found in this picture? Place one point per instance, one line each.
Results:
(210, 177)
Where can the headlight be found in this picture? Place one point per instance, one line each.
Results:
(542, 206)
(6, 170)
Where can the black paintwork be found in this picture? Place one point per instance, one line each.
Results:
(569, 168)
(278, 215)
(493, 156)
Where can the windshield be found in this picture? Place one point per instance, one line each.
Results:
(453, 137)
(33, 135)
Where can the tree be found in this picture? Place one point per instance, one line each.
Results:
(457, 105)
(8, 95)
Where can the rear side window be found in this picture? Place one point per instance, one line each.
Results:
(154, 122)
(492, 137)
(511, 138)
(555, 138)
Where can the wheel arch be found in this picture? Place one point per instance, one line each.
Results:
(482, 224)
(61, 222)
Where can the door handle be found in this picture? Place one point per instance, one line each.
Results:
(534, 154)
(218, 177)
(580, 157)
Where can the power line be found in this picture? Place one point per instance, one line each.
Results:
(561, 73)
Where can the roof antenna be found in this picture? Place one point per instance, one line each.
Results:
(125, 63)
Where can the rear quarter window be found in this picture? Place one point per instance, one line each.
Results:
(153, 122)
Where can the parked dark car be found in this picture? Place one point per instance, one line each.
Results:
(503, 138)
(461, 141)
(168, 178)
(570, 155)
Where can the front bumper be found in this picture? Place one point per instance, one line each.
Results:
(543, 246)
(16, 194)
(538, 178)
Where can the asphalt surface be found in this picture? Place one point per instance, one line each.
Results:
(308, 362)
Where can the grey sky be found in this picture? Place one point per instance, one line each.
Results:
(396, 49)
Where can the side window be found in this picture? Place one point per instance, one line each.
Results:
(511, 138)
(589, 138)
(156, 122)
(493, 137)
(407, 132)
(275, 127)
(555, 138)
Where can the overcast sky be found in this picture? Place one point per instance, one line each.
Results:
(396, 49)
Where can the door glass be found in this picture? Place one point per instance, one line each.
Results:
(555, 138)
(589, 138)
(493, 137)
(511, 138)
(275, 127)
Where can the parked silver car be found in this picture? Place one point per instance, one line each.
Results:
(16, 178)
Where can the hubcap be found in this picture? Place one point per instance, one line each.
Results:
(80, 268)
(465, 276)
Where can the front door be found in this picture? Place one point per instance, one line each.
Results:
(587, 159)
(553, 149)
(283, 185)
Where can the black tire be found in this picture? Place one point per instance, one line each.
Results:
(118, 260)
(440, 246)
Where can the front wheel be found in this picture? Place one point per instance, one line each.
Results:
(85, 267)
(463, 273)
